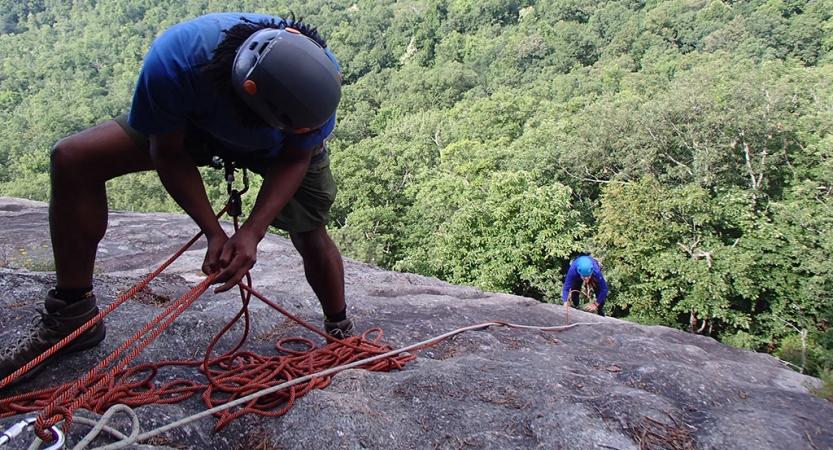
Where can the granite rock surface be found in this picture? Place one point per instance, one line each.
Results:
(601, 384)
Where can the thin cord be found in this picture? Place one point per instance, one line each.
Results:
(413, 347)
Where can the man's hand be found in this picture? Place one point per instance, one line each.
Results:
(591, 307)
(211, 264)
(279, 185)
(238, 256)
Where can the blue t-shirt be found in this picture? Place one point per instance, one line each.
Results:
(171, 90)
(573, 281)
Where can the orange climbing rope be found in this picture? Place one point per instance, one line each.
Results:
(46, 355)
(230, 376)
(585, 291)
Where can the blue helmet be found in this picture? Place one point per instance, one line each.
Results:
(584, 266)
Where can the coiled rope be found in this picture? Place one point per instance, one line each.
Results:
(135, 437)
(230, 376)
(237, 382)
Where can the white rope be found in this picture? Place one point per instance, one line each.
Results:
(186, 420)
(102, 422)
(136, 437)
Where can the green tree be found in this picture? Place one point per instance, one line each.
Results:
(503, 233)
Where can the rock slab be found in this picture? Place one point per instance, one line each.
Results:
(604, 384)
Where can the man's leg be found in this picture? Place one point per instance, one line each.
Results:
(309, 210)
(80, 165)
(324, 270)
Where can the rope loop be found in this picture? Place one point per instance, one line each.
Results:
(230, 376)
(237, 382)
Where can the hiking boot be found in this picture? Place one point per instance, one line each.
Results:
(57, 322)
(340, 330)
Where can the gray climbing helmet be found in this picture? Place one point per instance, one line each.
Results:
(287, 79)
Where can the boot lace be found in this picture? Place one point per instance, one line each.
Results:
(43, 320)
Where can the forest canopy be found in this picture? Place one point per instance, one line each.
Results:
(686, 144)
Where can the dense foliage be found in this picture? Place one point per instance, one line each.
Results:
(685, 143)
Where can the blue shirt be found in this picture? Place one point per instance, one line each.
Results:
(171, 90)
(573, 281)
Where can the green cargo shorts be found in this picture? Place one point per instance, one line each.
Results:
(307, 210)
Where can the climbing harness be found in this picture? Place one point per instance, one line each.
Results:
(235, 201)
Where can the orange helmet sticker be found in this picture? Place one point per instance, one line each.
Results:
(292, 30)
(250, 87)
(301, 130)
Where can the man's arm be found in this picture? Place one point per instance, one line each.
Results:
(568, 283)
(601, 296)
(182, 179)
(183, 182)
(281, 181)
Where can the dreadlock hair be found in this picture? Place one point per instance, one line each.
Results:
(218, 69)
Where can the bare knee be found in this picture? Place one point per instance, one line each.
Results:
(100, 153)
(64, 158)
(316, 241)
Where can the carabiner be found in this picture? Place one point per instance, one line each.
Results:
(230, 169)
(18, 428)
(59, 439)
(245, 180)
(235, 204)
